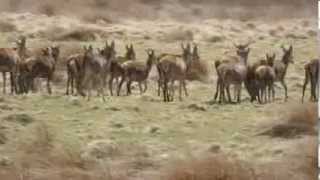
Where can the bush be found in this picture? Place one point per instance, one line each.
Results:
(301, 120)
(7, 27)
(217, 167)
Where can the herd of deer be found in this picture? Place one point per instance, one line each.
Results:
(97, 68)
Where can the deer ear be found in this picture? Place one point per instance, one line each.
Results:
(182, 46)
(127, 47)
(274, 56)
(291, 48)
(112, 44)
(188, 47)
(131, 47)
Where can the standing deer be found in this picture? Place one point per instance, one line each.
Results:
(74, 65)
(281, 67)
(95, 67)
(40, 66)
(9, 62)
(174, 68)
(311, 75)
(265, 77)
(232, 72)
(138, 72)
(116, 70)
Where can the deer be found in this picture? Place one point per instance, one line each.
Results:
(74, 65)
(281, 67)
(174, 68)
(39, 66)
(311, 70)
(232, 72)
(95, 68)
(135, 71)
(9, 62)
(116, 70)
(265, 77)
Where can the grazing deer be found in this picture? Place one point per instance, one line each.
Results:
(174, 68)
(232, 72)
(116, 70)
(265, 77)
(138, 72)
(40, 66)
(282, 66)
(311, 75)
(95, 68)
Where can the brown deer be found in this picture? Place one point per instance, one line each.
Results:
(9, 62)
(174, 68)
(116, 70)
(135, 71)
(311, 75)
(74, 65)
(195, 59)
(265, 77)
(232, 72)
(95, 68)
(40, 66)
(281, 67)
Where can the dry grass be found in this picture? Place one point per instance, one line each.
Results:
(7, 27)
(301, 120)
(199, 71)
(76, 35)
(218, 167)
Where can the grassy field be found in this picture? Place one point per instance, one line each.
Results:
(41, 133)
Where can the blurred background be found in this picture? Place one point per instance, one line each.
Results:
(183, 10)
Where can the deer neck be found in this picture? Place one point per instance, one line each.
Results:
(149, 67)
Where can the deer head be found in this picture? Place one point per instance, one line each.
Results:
(130, 54)
(195, 53)
(270, 59)
(287, 54)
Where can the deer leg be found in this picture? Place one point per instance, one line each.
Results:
(145, 86)
(89, 90)
(180, 90)
(185, 88)
(102, 85)
(68, 84)
(172, 90)
(140, 87)
(120, 85)
(12, 83)
(72, 84)
(111, 84)
(129, 87)
(48, 85)
(305, 83)
(159, 87)
(217, 90)
(239, 93)
(313, 89)
(4, 76)
(228, 93)
(283, 83)
(165, 90)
